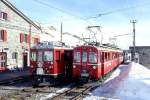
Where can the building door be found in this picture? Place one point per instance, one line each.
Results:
(3, 61)
(25, 59)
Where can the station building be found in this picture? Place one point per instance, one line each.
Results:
(17, 34)
(143, 54)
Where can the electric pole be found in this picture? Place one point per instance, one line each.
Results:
(134, 51)
(61, 32)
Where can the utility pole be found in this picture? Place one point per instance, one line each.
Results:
(134, 51)
(61, 32)
(30, 38)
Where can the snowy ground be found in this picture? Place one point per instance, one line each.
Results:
(128, 82)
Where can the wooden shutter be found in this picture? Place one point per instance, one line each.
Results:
(28, 38)
(0, 15)
(38, 40)
(9, 17)
(21, 37)
(5, 35)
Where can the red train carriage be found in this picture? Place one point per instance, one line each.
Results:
(50, 61)
(93, 62)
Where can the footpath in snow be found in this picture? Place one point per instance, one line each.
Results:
(128, 82)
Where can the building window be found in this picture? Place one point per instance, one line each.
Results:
(14, 55)
(3, 35)
(25, 38)
(3, 15)
(36, 40)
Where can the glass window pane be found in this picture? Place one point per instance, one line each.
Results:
(92, 57)
(33, 56)
(48, 56)
(84, 57)
(77, 57)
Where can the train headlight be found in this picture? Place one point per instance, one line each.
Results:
(32, 66)
(94, 67)
(50, 67)
(74, 66)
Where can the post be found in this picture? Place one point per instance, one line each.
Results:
(134, 50)
(61, 32)
(30, 34)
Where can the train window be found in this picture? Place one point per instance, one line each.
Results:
(92, 57)
(84, 57)
(48, 56)
(33, 56)
(105, 56)
(108, 56)
(77, 56)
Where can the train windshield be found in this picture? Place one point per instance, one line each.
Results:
(33, 56)
(92, 57)
(48, 56)
(84, 56)
(77, 57)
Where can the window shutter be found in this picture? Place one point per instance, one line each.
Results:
(5, 35)
(0, 15)
(38, 40)
(21, 37)
(28, 38)
(9, 17)
(34, 40)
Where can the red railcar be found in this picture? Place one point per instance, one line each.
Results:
(50, 61)
(93, 62)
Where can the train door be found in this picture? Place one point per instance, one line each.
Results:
(68, 59)
(84, 66)
(102, 61)
(58, 62)
(25, 60)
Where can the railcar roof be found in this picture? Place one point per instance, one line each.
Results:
(51, 45)
(103, 48)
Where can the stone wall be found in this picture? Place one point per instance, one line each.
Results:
(14, 26)
(144, 55)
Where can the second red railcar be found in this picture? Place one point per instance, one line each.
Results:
(93, 62)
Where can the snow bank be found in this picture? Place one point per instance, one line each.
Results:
(132, 83)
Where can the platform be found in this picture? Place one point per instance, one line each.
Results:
(11, 75)
(128, 82)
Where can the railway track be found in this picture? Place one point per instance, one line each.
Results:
(73, 92)
(77, 91)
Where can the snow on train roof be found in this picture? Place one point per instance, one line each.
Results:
(50, 45)
(102, 47)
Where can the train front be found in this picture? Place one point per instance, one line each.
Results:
(86, 63)
(41, 66)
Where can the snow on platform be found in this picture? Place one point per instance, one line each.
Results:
(128, 82)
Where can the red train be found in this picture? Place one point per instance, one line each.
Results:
(93, 62)
(54, 61)
(50, 62)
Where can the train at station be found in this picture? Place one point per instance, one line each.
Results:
(51, 62)
(93, 62)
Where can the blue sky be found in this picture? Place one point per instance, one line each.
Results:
(72, 13)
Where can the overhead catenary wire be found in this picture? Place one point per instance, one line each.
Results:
(117, 10)
(62, 11)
